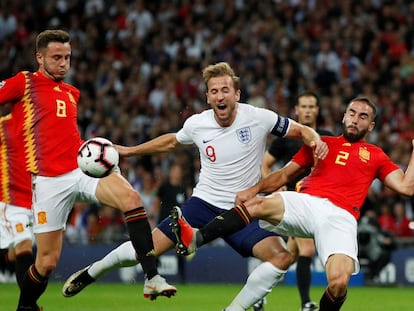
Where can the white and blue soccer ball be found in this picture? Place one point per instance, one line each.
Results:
(97, 157)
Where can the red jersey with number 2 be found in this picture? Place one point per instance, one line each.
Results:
(48, 112)
(345, 175)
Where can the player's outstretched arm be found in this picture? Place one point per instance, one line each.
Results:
(310, 137)
(402, 182)
(272, 182)
(163, 143)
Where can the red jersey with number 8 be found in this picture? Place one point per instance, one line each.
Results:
(48, 112)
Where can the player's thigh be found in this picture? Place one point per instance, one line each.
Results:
(306, 247)
(53, 199)
(293, 248)
(269, 208)
(115, 191)
(337, 234)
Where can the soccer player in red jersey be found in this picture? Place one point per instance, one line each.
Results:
(16, 219)
(327, 205)
(282, 150)
(46, 107)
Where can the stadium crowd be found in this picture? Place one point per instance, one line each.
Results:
(138, 66)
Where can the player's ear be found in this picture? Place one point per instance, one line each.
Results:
(208, 101)
(39, 58)
(371, 126)
(237, 95)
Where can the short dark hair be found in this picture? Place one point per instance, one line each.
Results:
(52, 35)
(307, 94)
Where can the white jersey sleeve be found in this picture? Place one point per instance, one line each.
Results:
(231, 157)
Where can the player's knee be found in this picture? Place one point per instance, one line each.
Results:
(24, 247)
(46, 265)
(129, 200)
(307, 251)
(295, 256)
(282, 260)
(285, 259)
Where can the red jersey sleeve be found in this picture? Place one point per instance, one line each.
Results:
(12, 89)
(304, 157)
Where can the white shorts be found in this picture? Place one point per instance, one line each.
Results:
(54, 197)
(333, 228)
(16, 225)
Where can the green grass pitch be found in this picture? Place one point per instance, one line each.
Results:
(110, 297)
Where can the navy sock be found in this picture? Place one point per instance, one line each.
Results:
(303, 277)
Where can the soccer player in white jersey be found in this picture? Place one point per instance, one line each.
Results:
(231, 138)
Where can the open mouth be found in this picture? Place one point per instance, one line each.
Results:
(221, 106)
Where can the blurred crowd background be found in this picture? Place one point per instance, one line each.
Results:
(138, 65)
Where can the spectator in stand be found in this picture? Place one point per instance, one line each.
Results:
(386, 218)
(374, 244)
(171, 193)
(8, 22)
(402, 222)
(148, 193)
(76, 227)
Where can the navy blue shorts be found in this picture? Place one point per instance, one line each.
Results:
(198, 213)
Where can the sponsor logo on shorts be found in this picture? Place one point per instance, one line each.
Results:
(41, 218)
(19, 227)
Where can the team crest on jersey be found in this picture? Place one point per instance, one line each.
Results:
(244, 135)
(2, 83)
(364, 154)
(41, 218)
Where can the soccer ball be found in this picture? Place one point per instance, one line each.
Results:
(97, 157)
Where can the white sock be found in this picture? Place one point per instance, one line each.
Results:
(259, 283)
(122, 256)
